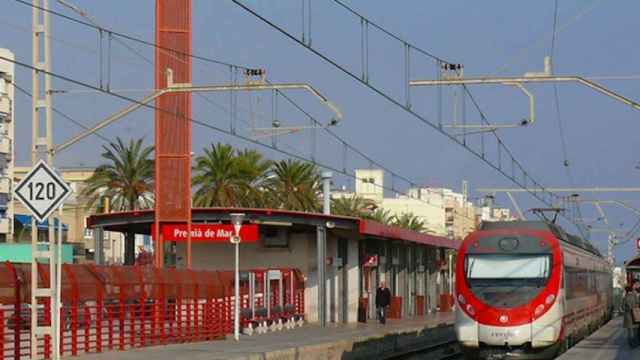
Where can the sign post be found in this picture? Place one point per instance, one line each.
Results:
(236, 220)
(43, 191)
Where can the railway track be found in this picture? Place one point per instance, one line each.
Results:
(444, 351)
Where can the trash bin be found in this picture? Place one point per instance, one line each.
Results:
(363, 306)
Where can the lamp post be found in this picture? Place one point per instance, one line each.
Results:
(236, 220)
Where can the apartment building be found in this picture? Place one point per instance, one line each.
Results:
(443, 211)
(7, 155)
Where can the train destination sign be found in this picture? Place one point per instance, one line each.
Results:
(42, 191)
(208, 232)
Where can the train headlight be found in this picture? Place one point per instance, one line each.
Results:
(539, 310)
(461, 299)
(550, 299)
(503, 319)
(471, 310)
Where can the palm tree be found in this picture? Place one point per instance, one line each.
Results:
(229, 178)
(253, 170)
(216, 177)
(382, 216)
(294, 185)
(354, 205)
(409, 221)
(126, 179)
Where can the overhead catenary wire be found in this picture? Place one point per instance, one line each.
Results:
(197, 122)
(540, 193)
(563, 140)
(542, 40)
(480, 155)
(65, 116)
(129, 37)
(93, 24)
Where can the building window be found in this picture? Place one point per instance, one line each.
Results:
(88, 233)
(275, 237)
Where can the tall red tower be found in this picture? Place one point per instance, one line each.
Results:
(172, 121)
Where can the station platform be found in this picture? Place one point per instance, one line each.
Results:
(342, 341)
(608, 343)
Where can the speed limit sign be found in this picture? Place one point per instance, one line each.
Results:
(42, 191)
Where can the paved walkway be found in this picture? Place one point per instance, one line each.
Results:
(608, 343)
(300, 342)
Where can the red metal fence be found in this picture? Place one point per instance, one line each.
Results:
(107, 308)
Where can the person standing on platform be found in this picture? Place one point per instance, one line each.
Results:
(383, 299)
(630, 302)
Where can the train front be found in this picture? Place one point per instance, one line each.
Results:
(508, 294)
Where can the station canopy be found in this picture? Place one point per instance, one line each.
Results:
(141, 222)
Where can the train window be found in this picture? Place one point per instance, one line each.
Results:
(507, 280)
(509, 266)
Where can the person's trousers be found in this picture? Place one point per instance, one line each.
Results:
(382, 314)
(632, 336)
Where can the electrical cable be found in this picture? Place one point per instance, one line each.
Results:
(480, 156)
(466, 89)
(219, 106)
(197, 122)
(65, 116)
(129, 37)
(390, 34)
(556, 94)
(542, 40)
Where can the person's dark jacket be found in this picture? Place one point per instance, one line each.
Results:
(383, 297)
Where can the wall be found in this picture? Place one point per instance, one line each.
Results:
(431, 214)
(221, 256)
(7, 161)
(21, 253)
(342, 281)
(370, 189)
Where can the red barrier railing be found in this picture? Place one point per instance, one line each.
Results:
(419, 305)
(106, 308)
(395, 308)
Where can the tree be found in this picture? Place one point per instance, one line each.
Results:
(229, 178)
(294, 185)
(382, 216)
(126, 179)
(409, 221)
(253, 169)
(216, 177)
(354, 205)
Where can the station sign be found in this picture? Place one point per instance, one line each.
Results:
(42, 191)
(209, 232)
(370, 261)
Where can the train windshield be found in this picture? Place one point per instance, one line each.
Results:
(507, 280)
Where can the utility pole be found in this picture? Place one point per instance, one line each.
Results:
(41, 110)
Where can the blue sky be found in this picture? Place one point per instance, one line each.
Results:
(597, 38)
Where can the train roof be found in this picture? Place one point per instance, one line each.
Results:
(633, 264)
(543, 225)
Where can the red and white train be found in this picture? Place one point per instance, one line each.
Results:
(528, 290)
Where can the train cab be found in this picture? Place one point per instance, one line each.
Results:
(526, 290)
(632, 270)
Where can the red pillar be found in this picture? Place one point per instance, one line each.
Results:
(172, 121)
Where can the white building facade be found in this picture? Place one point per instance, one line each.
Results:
(443, 211)
(7, 155)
